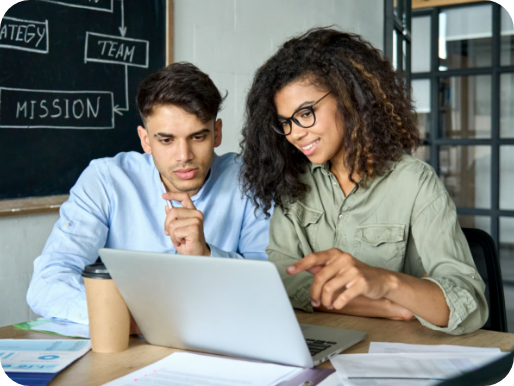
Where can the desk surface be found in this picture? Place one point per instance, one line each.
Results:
(96, 369)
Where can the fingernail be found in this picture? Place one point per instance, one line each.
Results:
(329, 307)
(290, 269)
(314, 304)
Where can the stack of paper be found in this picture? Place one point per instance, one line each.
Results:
(188, 369)
(384, 348)
(36, 362)
(403, 364)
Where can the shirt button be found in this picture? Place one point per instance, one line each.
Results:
(341, 217)
(67, 224)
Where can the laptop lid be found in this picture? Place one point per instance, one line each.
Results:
(218, 305)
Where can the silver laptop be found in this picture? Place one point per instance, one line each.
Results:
(222, 306)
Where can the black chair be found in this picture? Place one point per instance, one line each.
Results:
(486, 259)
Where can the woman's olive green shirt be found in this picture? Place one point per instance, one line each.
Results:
(403, 221)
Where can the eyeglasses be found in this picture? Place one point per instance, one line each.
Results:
(303, 117)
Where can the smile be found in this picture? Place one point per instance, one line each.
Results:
(311, 145)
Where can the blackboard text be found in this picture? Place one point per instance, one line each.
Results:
(97, 5)
(23, 108)
(25, 35)
(115, 49)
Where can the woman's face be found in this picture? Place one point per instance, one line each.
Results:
(322, 141)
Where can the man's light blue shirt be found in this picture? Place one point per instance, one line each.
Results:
(117, 203)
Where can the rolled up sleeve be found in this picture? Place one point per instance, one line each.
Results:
(448, 262)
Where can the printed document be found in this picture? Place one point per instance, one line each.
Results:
(40, 356)
(384, 348)
(188, 369)
(56, 326)
(407, 368)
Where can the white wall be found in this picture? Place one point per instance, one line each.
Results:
(230, 39)
(22, 239)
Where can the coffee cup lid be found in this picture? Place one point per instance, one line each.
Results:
(98, 270)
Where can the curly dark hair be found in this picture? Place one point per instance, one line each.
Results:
(379, 117)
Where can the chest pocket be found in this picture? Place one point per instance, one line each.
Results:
(307, 222)
(381, 245)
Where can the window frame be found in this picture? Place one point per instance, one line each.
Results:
(435, 140)
(394, 23)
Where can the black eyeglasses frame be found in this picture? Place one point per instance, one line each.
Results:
(281, 131)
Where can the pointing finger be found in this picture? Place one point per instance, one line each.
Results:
(309, 261)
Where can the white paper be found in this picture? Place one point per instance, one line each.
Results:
(384, 348)
(409, 366)
(188, 369)
(40, 356)
(389, 382)
(64, 328)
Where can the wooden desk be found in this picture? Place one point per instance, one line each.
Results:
(96, 369)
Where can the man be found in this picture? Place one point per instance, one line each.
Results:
(119, 202)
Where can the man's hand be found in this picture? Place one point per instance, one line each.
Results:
(334, 271)
(185, 226)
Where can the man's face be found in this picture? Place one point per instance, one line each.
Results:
(181, 145)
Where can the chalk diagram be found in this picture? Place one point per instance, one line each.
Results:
(56, 109)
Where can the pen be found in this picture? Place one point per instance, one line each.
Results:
(165, 191)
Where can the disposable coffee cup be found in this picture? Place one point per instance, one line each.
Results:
(109, 317)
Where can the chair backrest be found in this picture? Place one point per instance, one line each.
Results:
(486, 259)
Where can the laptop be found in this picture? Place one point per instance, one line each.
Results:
(224, 306)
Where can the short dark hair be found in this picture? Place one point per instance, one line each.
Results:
(181, 84)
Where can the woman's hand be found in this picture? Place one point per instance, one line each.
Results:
(335, 270)
(371, 308)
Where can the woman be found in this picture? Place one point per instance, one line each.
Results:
(360, 226)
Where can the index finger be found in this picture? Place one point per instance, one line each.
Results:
(181, 197)
(309, 261)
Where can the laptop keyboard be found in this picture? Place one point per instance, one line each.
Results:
(317, 346)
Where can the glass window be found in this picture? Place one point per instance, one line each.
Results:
(422, 153)
(465, 105)
(507, 177)
(404, 54)
(465, 37)
(479, 222)
(466, 173)
(507, 247)
(507, 105)
(421, 97)
(421, 44)
(395, 49)
(507, 39)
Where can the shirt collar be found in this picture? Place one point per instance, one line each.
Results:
(325, 167)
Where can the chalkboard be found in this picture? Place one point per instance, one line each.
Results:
(69, 71)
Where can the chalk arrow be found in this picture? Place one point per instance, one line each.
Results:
(123, 29)
(117, 108)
